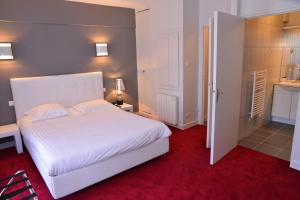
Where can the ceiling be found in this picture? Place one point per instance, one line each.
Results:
(135, 4)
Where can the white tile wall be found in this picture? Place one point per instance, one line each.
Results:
(291, 51)
(264, 41)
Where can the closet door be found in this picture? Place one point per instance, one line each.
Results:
(145, 66)
(168, 60)
(226, 84)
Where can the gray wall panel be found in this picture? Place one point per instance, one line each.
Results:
(53, 37)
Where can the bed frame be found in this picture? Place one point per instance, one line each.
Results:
(70, 90)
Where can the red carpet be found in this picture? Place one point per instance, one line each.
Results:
(183, 174)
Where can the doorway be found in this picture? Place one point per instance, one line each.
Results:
(270, 86)
(271, 45)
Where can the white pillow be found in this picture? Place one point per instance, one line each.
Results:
(46, 111)
(92, 106)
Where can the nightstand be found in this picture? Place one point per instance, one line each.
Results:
(12, 130)
(126, 107)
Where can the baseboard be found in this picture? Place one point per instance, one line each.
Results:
(187, 125)
(283, 120)
(180, 126)
(295, 165)
(203, 123)
(7, 145)
(147, 115)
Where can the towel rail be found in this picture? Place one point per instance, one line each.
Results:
(258, 93)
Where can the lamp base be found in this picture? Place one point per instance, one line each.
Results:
(120, 102)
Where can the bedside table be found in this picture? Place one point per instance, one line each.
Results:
(12, 130)
(126, 107)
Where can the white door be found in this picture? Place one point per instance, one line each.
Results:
(210, 83)
(144, 63)
(227, 83)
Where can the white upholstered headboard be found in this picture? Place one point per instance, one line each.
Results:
(68, 90)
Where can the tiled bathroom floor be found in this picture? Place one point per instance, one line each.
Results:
(274, 139)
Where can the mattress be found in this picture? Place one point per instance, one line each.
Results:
(79, 140)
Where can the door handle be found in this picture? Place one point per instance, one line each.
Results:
(219, 93)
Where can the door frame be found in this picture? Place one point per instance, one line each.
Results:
(235, 11)
(293, 163)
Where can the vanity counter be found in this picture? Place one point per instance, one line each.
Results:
(294, 84)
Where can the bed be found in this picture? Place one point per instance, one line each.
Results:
(78, 150)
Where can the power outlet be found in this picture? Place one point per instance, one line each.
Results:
(11, 103)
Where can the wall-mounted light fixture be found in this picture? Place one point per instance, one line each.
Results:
(101, 49)
(6, 52)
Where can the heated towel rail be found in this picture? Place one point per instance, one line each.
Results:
(258, 93)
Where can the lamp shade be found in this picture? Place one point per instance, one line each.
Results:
(119, 86)
(101, 49)
(5, 51)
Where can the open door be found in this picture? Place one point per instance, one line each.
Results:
(210, 83)
(226, 73)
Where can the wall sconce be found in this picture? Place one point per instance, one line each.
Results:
(6, 52)
(119, 88)
(101, 49)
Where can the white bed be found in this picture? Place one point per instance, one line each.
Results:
(79, 150)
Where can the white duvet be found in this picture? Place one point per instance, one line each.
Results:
(79, 140)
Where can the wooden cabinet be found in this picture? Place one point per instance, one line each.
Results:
(285, 103)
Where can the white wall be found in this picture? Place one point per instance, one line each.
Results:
(206, 10)
(190, 63)
(165, 20)
(178, 17)
(251, 8)
(295, 158)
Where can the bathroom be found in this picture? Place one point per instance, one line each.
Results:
(271, 85)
